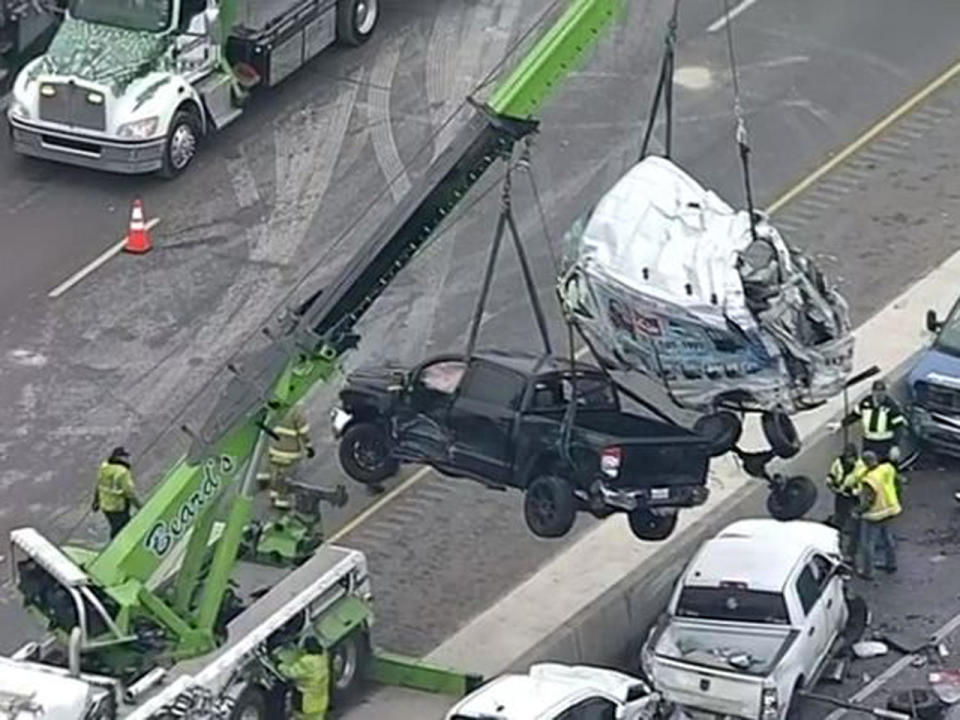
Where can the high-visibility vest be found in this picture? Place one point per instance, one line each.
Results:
(879, 420)
(883, 481)
(292, 439)
(846, 483)
(114, 486)
(311, 675)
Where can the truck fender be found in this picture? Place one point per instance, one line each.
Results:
(547, 462)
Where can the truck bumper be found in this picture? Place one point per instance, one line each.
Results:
(339, 419)
(937, 431)
(673, 496)
(129, 158)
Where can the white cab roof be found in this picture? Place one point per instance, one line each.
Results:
(30, 693)
(760, 552)
(547, 688)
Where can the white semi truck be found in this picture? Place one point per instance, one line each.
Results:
(131, 86)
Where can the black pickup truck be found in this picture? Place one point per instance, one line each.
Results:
(506, 420)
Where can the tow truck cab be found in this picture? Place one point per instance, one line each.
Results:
(934, 386)
(131, 86)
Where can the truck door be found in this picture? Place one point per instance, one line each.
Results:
(482, 420)
(421, 421)
(194, 44)
(815, 631)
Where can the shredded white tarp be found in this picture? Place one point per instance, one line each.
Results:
(664, 278)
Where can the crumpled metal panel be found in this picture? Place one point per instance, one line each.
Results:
(664, 278)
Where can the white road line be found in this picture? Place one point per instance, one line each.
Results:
(90, 267)
(244, 184)
(721, 22)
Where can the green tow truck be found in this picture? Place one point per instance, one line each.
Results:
(178, 615)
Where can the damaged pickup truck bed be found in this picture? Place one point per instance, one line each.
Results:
(507, 420)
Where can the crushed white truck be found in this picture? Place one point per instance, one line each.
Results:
(131, 86)
(753, 619)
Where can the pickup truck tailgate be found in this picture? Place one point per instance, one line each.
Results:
(698, 687)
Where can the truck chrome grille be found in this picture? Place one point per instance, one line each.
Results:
(938, 398)
(73, 104)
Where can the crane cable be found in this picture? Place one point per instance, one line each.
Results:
(664, 89)
(741, 136)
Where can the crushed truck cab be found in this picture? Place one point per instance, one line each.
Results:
(132, 87)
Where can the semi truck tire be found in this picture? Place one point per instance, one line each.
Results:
(548, 507)
(364, 453)
(781, 433)
(348, 665)
(251, 705)
(648, 525)
(181, 146)
(357, 20)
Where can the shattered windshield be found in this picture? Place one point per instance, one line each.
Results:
(142, 15)
(948, 340)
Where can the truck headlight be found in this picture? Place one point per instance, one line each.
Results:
(769, 704)
(144, 128)
(19, 110)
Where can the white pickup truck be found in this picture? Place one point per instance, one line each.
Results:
(551, 691)
(753, 619)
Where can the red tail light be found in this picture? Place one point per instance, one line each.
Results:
(610, 458)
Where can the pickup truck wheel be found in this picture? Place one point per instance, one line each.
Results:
(181, 144)
(722, 429)
(793, 709)
(648, 525)
(356, 20)
(364, 453)
(793, 499)
(251, 705)
(348, 665)
(781, 433)
(548, 507)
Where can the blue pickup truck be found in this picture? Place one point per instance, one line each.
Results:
(934, 386)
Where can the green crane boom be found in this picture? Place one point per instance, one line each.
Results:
(305, 348)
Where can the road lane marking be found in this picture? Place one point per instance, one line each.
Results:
(93, 265)
(867, 137)
(721, 22)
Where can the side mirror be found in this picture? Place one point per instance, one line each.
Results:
(933, 324)
(844, 571)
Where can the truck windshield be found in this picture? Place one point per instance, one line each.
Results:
(948, 340)
(733, 604)
(142, 15)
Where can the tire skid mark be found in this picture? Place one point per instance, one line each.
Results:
(381, 129)
(302, 180)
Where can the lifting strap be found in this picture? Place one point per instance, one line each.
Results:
(506, 222)
(664, 89)
(741, 132)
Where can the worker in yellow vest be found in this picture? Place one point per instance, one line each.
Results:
(881, 420)
(115, 492)
(843, 480)
(308, 669)
(879, 505)
(289, 445)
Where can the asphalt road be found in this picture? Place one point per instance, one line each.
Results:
(119, 356)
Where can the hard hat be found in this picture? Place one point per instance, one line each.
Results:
(894, 453)
(119, 452)
(879, 386)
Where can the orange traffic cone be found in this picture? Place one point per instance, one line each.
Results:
(138, 238)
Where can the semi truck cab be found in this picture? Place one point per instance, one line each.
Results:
(934, 386)
(131, 86)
